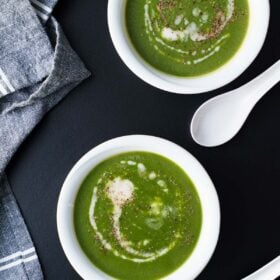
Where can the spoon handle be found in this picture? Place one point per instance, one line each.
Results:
(264, 82)
(269, 272)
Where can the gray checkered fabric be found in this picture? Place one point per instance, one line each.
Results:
(37, 69)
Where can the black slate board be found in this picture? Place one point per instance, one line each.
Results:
(114, 102)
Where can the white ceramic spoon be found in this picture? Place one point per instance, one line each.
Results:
(219, 119)
(269, 272)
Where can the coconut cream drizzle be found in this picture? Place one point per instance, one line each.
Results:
(192, 31)
(121, 192)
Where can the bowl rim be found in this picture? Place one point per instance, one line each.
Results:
(252, 44)
(205, 188)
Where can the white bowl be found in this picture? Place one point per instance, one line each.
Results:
(209, 201)
(251, 46)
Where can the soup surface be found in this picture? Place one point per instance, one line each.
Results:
(187, 37)
(137, 215)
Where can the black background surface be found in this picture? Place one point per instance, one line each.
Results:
(115, 102)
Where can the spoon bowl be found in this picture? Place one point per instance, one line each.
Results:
(219, 119)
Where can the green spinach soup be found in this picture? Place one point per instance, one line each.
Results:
(137, 215)
(187, 37)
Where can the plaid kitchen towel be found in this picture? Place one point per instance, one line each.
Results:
(37, 69)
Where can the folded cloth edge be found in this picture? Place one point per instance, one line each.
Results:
(19, 116)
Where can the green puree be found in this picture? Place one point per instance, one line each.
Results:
(137, 215)
(187, 37)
